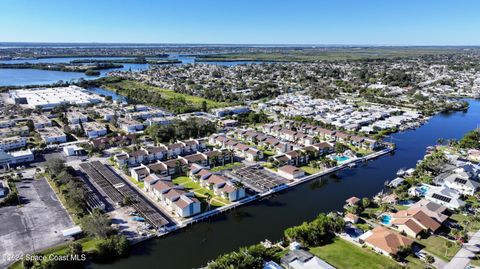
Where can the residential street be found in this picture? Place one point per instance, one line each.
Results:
(466, 253)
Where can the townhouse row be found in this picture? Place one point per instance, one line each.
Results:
(240, 149)
(161, 152)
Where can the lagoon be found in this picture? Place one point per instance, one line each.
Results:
(18, 77)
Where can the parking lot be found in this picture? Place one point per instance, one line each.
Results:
(258, 178)
(123, 220)
(34, 226)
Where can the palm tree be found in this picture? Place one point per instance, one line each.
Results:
(231, 154)
(208, 196)
(448, 245)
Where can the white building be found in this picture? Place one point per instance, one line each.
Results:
(290, 172)
(48, 98)
(129, 125)
(73, 150)
(94, 129)
(16, 157)
(53, 135)
(12, 142)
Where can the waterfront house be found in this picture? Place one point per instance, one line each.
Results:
(352, 201)
(462, 183)
(349, 217)
(342, 137)
(445, 196)
(414, 221)
(149, 181)
(301, 259)
(385, 241)
(290, 172)
(432, 209)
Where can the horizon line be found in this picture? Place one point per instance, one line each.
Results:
(230, 44)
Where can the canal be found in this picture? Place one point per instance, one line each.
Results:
(202, 242)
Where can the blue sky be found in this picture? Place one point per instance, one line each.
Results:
(386, 22)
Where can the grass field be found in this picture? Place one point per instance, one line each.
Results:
(166, 93)
(344, 255)
(140, 184)
(437, 246)
(310, 170)
(226, 166)
(200, 192)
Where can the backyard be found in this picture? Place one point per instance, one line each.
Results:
(310, 170)
(200, 192)
(342, 254)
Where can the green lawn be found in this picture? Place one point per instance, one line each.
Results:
(181, 180)
(166, 93)
(199, 191)
(466, 222)
(342, 254)
(360, 151)
(310, 170)
(401, 207)
(226, 166)
(436, 246)
(140, 184)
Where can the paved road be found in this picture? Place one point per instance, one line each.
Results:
(466, 253)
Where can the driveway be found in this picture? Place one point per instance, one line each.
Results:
(35, 225)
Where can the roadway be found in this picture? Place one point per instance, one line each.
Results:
(466, 253)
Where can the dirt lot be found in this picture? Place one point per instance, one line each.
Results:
(35, 225)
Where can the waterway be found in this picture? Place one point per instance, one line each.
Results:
(202, 242)
(18, 77)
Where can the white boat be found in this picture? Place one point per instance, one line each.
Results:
(401, 173)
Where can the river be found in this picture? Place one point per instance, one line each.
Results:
(202, 242)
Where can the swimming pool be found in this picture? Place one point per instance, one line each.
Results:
(406, 202)
(386, 219)
(341, 159)
(422, 190)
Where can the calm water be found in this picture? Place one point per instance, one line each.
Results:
(17, 77)
(195, 246)
(105, 92)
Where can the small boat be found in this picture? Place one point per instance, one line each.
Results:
(401, 173)
(352, 165)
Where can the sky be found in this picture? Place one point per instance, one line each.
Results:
(347, 22)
